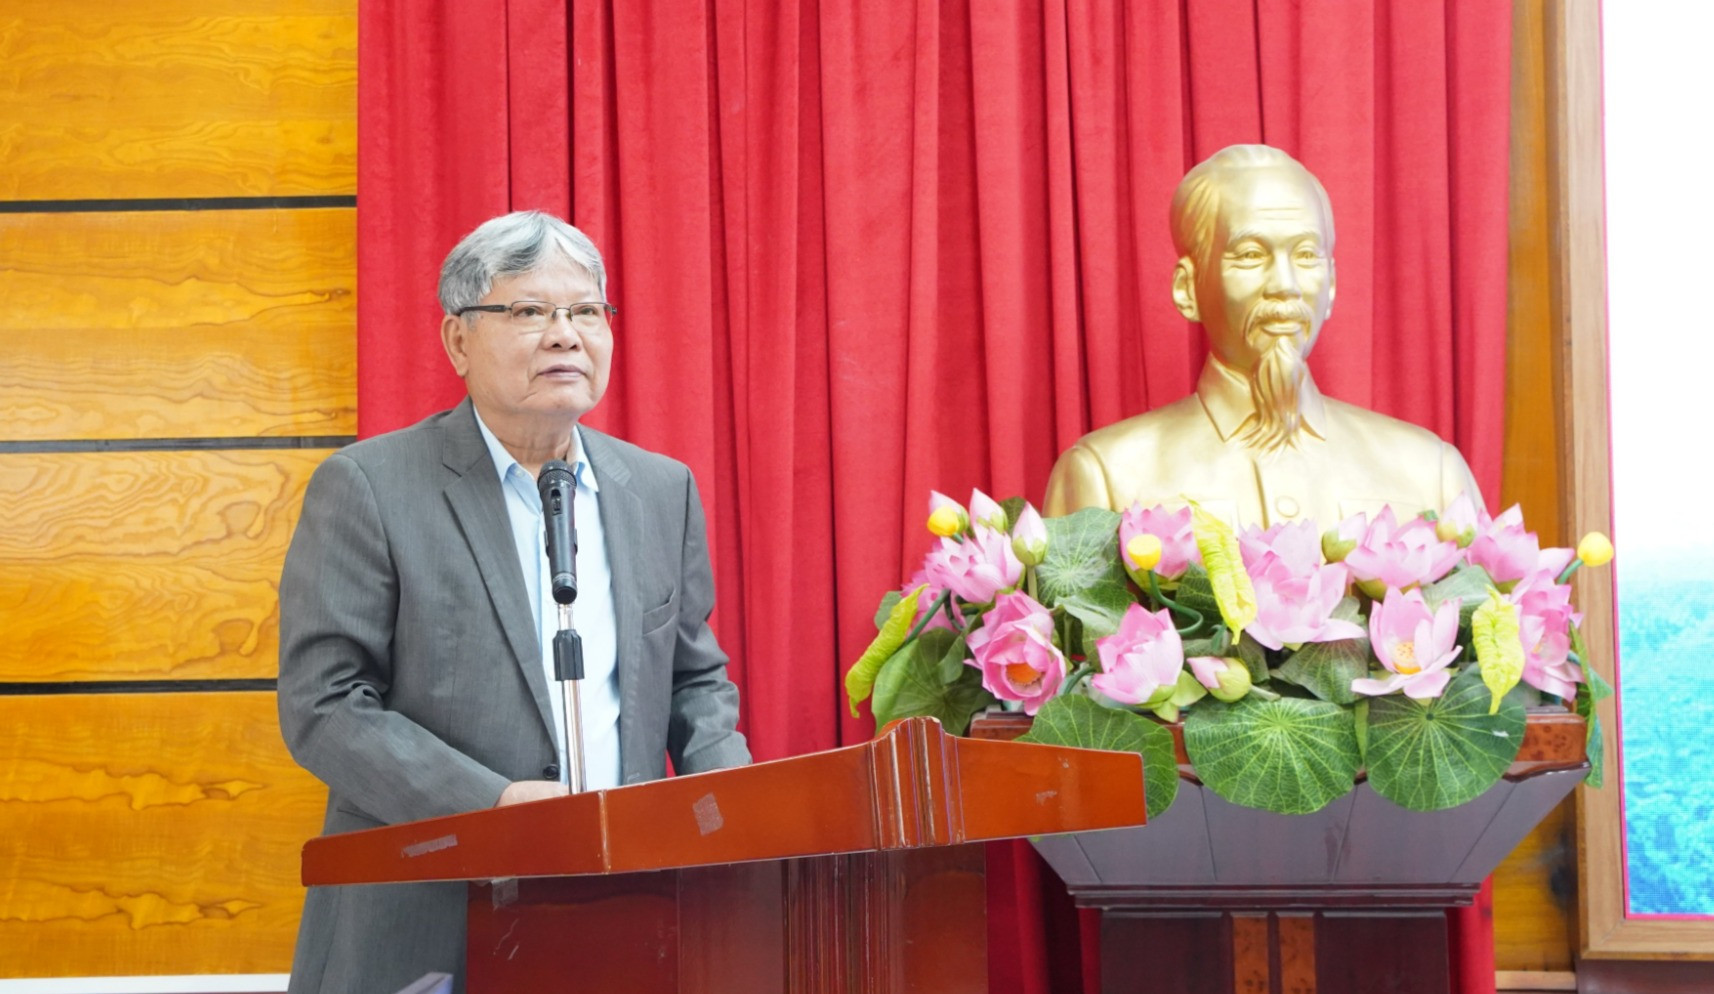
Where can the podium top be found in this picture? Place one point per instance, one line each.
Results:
(911, 787)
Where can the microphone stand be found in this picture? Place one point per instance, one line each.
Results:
(557, 486)
(568, 670)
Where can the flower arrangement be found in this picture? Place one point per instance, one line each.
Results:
(1293, 658)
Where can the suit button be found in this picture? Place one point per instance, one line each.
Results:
(550, 771)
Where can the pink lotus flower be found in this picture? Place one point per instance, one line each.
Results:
(1142, 657)
(1545, 619)
(1295, 592)
(1292, 548)
(926, 601)
(1014, 650)
(1178, 540)
(976, 569)
(1503, 548)
(1416, 644)
(1399, 556)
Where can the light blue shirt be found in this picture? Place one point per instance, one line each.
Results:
(592, 612)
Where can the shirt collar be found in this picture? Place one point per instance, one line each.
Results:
(582, 471)
(1225, 395)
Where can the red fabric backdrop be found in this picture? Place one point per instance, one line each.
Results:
(866, 249)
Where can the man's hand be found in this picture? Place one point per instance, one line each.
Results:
(520, 791)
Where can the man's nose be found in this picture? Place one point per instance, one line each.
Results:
(1282, 277)
(561, 333)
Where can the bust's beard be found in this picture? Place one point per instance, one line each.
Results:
(1276, 384)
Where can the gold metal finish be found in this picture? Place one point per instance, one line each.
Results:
(1258, 443)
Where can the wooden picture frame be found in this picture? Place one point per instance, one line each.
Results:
(1580, 291)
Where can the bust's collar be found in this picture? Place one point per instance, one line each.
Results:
(1225, 395)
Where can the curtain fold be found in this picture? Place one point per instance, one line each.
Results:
(862, 250)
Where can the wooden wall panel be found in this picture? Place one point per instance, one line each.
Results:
(1534, 889)
(145, 565)
(149, 833)
(178, 324)
(177, 98)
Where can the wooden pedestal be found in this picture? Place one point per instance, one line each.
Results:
(1213, 898)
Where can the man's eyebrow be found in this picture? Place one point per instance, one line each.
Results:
(1242, 234)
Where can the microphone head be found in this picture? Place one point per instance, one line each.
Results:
(555, 475)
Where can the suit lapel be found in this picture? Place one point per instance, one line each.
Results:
(622, 524)
(480, 509)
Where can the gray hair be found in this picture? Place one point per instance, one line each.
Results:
(511, 245)
(1196, 202)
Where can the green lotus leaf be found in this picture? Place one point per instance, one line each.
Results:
(1078, 721)
(1082, 560)
(1291, 755)
(1470, 584)
(1429, 755)
(1326, 669)
(914, 681)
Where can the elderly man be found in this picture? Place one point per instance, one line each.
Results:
(416, 616)
(1257, 443)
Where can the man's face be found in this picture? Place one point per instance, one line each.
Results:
(1268, 275)
(552, 376)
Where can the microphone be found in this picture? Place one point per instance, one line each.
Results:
(556, 485)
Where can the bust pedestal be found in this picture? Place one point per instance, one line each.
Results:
(1213, 898)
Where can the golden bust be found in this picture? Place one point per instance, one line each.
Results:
(1257, 443)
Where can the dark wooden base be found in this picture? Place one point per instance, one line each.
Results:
(817, 925)
(1284, 952)
(1213, 898)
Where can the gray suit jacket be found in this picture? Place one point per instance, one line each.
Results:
(410, 670)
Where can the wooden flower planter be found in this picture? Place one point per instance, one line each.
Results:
(1213, 898)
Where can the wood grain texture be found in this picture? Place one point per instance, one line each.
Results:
(149, 834)
(1534, 909)
(1575, 97)
(1533, 472)
(159, 565)
(177, 98)
(178, 324)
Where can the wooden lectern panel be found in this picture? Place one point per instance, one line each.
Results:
(854, 870)
(913, 786)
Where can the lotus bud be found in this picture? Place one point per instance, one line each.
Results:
(984, 510)
(1595, 550)
(1226, 679)
(1029, 538)
(945, 517)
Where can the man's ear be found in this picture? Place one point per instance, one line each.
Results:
(1184, 289)
(1332, 285)
(454, 334)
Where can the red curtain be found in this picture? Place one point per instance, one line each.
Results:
(866, 248)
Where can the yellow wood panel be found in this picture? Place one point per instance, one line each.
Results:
(1533, 888)
(1532, 474)
(178, 324)
(177, 98)
(1535, 898)
(145, 565)
(149, 834)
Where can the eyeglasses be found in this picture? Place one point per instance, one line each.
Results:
(531, 316)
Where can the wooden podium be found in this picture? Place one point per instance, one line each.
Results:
(1220, 899)
(857, 869)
